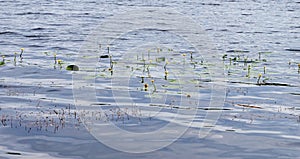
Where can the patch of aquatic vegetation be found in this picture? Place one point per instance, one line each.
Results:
(262, 88)
(53, 119)
(260, 68)
(155, 79)
(152, 76)
(44, 60)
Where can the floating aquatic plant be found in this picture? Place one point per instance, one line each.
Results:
(249, 69)
(21, 54)
(15, 58)
(158, 49)
(142, 81)
(60, 62)
(108, 49)
(258, 79)
(3, 61)
(146, 86)
(152, 81)
(165, 66)
(72, 68)
(54, 57)
(191, 55)
(166, 75)
(224, 57)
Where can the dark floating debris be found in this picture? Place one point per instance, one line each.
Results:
(275, 84)
(211, 4)
(296, 94)
(265, 84)
(100, 104)
(242, 51)
(13, 153)
(72, 68)
(247, 61)
(104, 56)
(214, 108)
(249, 106)
(293, 49)
(229, 130)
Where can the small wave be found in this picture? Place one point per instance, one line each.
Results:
(32, 36)
(211, 4)
(241, 51)
(155, 29)
(38, 28)
(59, 48)
(35, 46)
(8, 33)
(293, 49)
(34, 13)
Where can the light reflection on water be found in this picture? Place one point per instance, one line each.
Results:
(268, 113)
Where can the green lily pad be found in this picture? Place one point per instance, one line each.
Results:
(72, 68)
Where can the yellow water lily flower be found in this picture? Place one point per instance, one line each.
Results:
(259, 75)
(146, 85)
(59, 61)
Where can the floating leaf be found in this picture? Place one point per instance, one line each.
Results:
(72, 68)
(161, 59)
(2, 63)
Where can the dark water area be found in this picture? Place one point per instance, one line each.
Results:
(257, 42)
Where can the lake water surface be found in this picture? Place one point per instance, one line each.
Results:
(260, 117)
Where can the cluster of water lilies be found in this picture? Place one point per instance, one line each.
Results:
(55, 119)
(151, 67)
(256, 67)
(3, 62)
(18, 57)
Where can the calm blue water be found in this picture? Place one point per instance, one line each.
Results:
(257, 121)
